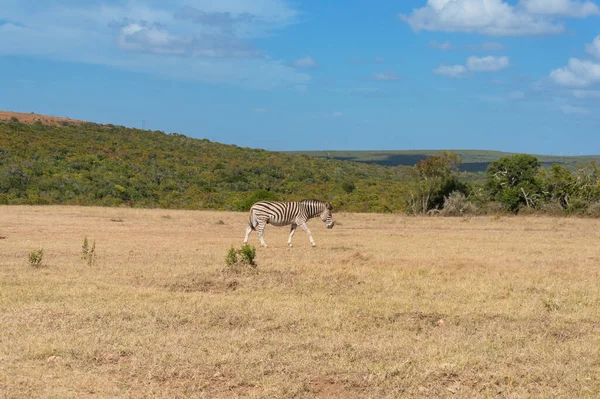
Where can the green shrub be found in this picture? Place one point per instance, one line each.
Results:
(248, 253)
(594, 210)
(241, 260)
(36, 258)
(577, 206)
(259, 195)
(89, 252)
(231, 259)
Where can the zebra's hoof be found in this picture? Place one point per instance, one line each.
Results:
(290, 245)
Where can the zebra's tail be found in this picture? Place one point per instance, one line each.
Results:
(251, 220)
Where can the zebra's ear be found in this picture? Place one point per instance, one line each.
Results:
(328, 205)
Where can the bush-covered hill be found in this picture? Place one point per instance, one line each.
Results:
(472, 160)
(91, 164)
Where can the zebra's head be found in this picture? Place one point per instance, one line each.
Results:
(327, 216)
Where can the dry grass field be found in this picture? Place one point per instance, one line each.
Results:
(386, 306)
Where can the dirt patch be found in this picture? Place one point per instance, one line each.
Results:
(203, 283)
(327, 388)
(6, 116)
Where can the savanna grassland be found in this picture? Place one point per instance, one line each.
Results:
(386, 306)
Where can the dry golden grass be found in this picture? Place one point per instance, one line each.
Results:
(385, 307)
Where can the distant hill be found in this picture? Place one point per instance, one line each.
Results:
(472, 160)
(50, 160)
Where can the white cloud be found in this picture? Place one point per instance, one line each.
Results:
(305, 63)
(443, 46)
(563, 8)
(487, 64)
(388, 76)
(594, 47)
(474, 64)
(578, 73)
(452, 71)
(488, 17)
(197, 40)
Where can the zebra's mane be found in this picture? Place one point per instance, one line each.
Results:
(319, 202)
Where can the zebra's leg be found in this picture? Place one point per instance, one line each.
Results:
(292, 231)
(260, 229)
(307, 231)
(248, 231)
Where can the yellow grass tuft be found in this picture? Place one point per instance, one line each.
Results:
(386, 306)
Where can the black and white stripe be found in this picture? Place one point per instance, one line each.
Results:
(286, 213)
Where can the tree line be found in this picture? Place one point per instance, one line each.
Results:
(513, 184)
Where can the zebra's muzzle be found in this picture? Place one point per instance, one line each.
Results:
(330, 225)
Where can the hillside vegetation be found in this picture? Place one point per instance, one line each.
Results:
(90, 164)
(59, 161)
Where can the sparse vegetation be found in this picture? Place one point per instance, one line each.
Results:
(89, 252)
(484, 309)
(241, 259)
(36, 258)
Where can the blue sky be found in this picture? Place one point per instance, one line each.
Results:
(519, 75)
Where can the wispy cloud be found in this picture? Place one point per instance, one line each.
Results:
(569, 109)
(594, 48)
(487, 64)
(388, 76)
(560, 8)
(305, 63)
(452, 71)
(443, 46)
(211, 42)
(473, 64)
(586, 94)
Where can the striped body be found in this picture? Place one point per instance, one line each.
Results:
(287, 213)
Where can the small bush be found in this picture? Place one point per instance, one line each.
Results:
(248, 253)
(14, 119)
(456, 204)
(241, 260)
(577, 206)
(552, 208)
(88, 252)
(231, 259)
(594, 210)
(36, 258)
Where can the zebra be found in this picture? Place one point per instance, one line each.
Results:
(285, 213)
